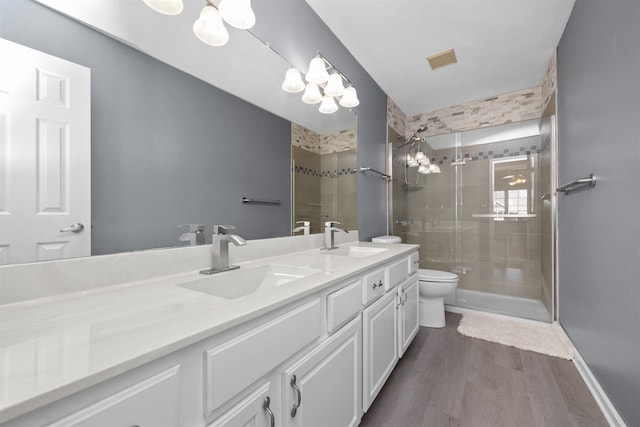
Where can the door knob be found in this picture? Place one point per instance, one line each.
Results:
(74, 228)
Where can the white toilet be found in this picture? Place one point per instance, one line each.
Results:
(434, 286)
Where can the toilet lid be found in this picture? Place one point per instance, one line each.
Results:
(436, 276)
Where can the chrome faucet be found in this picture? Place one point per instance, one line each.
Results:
(220, 243)
(305, 227)
(195, 235)
(329, 231)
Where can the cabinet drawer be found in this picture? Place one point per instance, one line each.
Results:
(343, 304)
(152, 402)
(414, 263)
(372, 286)
(234, 365)
(396, 273)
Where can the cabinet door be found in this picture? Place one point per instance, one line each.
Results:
(254, 410)
(153, 402)
(379, 346)
(408, 313)
(324, 387)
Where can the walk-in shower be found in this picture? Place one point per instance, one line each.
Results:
(488, 215)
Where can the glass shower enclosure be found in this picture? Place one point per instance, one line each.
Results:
(488, 215)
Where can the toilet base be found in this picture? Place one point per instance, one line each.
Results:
(431, 312)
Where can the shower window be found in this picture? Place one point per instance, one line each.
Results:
(512, 181)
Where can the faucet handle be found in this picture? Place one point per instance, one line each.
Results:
(222, 229)
(331, 223)
(193, 228)
(304, 223)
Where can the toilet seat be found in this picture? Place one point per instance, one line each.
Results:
(425, 275)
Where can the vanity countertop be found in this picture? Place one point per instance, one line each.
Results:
(66, 343)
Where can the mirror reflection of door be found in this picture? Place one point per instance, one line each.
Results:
(45, 136)
(324, 178)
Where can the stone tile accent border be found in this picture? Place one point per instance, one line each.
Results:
(510, 107)
(322, 144)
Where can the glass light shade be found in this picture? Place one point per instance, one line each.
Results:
(237, 13)
(350, 98)
(410, 158)
(433, 168)
(334, 85)
(420, 157)
(317, 71)
(209, 28)
(328, 105)
(425, 161)
(166, 7)
(311, 94)
(423, 169)
(293, 81)
(412, 163)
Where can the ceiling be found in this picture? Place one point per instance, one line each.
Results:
(501, 45)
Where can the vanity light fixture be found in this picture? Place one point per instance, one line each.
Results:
(166, 7)
(325, 85)
(209, 27)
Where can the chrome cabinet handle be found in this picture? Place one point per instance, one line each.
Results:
(405, 296)
(295, 407)
(265, 406)
(74, 228)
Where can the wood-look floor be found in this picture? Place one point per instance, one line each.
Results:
(447, 379)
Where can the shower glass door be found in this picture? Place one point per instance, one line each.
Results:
(488, 217)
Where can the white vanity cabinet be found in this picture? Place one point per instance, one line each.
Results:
(379, 346)
(255, 410)
(407, 306)
(389, 326)
(319, 359)
(152, 402)
(323, 388)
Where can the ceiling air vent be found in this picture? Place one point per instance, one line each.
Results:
(442, 59)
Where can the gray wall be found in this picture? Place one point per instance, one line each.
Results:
(167, 149)
(599, 237)
(293, 29)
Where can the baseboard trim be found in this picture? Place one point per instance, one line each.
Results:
(608, 410)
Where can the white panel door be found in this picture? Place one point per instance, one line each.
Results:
(45, 156)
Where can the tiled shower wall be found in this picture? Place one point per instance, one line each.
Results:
(492, 256)
(324, 177)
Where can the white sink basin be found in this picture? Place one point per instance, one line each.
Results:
(356, 251)
(244, 281)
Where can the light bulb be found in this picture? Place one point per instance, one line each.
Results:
(334, 85)
(209, 27)
(237, 13)
(293, 81)
(311, 94)
(166, 7)
(350, 98)
(328, 105)
(423, 170)
(433, 168)
(317, 71)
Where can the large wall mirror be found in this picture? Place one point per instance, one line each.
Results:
(219, 129)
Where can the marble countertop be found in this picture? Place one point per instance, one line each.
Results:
(55, 346)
